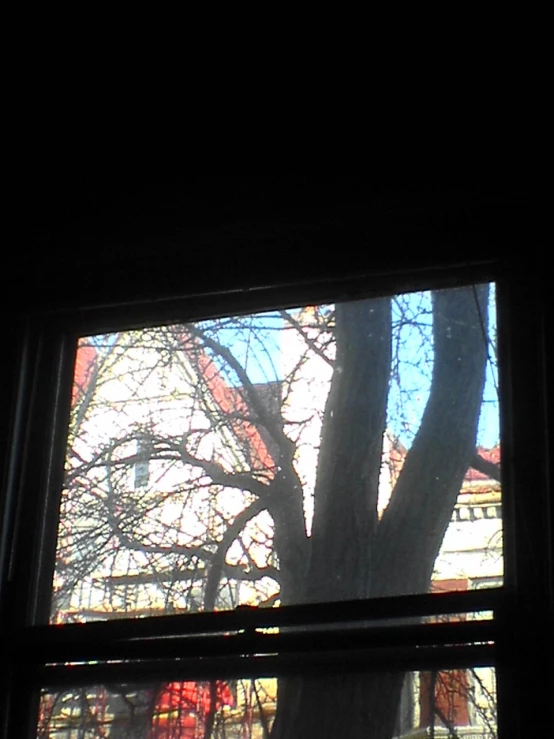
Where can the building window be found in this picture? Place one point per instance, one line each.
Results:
(290, 549)
(142, 465)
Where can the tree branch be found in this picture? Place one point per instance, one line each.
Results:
(219, 475)
(310, 342)
(413, 525)
(254, 398)
(218, 559)
(484, 466)
(347, 482)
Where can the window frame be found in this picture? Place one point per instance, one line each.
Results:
(45, 368)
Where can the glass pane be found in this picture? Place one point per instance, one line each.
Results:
(450, 703)
(320, 453)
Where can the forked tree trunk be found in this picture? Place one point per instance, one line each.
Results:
(353, 554)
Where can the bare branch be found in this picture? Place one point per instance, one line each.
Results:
(220, 476)
(310, 342)
(258, 406)
(484, 466)
(218, 559)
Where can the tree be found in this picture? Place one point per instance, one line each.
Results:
(206, 497)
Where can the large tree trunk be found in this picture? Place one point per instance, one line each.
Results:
(348, 706)
(353, 554)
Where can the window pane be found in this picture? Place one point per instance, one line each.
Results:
(453, 703)
(313, 454)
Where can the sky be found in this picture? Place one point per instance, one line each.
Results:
(256, 344)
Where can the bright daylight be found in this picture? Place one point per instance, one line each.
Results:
(313, 454)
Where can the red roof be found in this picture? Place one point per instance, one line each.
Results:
(84, 365)
(231, 401)
(489, 455)
(228, 399)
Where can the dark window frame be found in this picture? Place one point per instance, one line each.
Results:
(45, 366)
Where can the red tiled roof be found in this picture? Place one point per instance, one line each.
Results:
(474, 482)
(489, 455)
(84, 365)
(228, 399)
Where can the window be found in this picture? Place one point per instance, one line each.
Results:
(276, 514)
(142, 464)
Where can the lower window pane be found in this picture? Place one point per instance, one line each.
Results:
(444, 703)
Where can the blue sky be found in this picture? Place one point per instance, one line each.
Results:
(255, 343)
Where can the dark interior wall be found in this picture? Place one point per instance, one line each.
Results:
(103, 238)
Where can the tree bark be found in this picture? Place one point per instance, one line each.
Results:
(353, 554)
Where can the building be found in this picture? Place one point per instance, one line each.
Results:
(102, 242)
(153, 516)
(138, 398)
